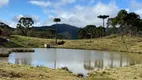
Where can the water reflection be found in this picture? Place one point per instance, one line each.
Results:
(21, 58)
(78, 61)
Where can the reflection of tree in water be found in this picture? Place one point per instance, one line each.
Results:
(87, 65)
(95, 64)
(113, 60)
(98, 64)
(22, 61)
(55, 54)
(111, 57)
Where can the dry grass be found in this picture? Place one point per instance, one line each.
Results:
(124, 73)
(109, 43)
(24, 72)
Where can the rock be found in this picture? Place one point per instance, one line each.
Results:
(80, 75)
(61, 43)
(65, 68)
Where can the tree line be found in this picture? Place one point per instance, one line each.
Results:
(123, 23)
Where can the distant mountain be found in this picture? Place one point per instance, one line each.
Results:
(62, 29)
(4, 26)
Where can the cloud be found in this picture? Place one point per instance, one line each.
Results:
(136, 5)
(17, 18)
(3, 2)
(139, 11)
(40, 3)
(53, 4)
(81, 16)
(61, 3)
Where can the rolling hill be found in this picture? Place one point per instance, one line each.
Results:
(62, 29)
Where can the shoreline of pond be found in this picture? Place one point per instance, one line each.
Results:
(5, 52)
(24, 72)
(108, 43)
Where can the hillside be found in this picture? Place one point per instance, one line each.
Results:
(109, 43)
(62, 29)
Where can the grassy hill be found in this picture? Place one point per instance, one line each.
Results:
(109, 43)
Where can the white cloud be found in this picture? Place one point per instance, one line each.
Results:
(53, 4)
(61, 3)
(40, 3)
(3, 2)
(78, 15)
(136, 5)
(17, 18)
(84, 15)
(139, 11)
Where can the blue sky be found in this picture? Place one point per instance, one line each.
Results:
(74, 12)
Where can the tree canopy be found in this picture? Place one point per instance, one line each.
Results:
(129, 23)
(25, 22)
(57, 20)
(103, 16)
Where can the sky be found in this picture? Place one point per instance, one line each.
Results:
(74, 12)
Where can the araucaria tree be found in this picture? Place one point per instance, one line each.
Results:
(24, 24)
(56, 20)
(103, 17)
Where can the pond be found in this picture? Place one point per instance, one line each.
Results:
(77, 61)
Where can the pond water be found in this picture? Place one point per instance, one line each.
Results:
(77, 61)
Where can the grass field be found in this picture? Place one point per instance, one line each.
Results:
(123, 73)
(109, 43)
(25, 72)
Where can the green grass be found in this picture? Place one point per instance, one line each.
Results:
(109, 43)
(27, 42)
